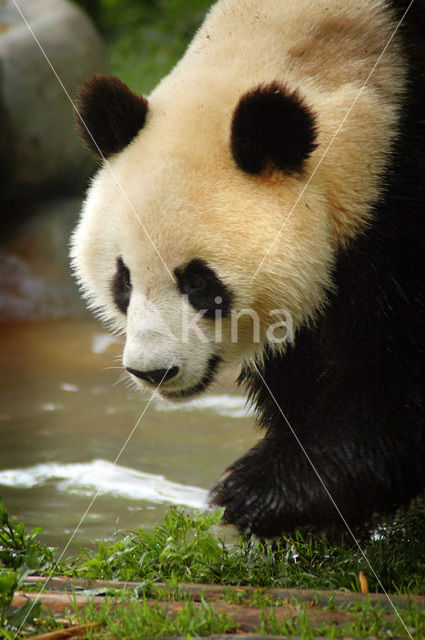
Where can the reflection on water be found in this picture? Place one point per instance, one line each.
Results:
(65, 416)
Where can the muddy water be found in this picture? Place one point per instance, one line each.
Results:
(64, 418)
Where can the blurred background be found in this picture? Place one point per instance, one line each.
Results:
(144, 38)
(65, 411)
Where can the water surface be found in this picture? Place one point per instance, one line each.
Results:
(65, 416)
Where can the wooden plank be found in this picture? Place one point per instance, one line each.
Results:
(56, 602)
(214, 592)
(246, 618)
(76, 631)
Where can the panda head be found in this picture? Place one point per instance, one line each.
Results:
(196, 191)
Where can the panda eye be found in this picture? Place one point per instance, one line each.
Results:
(125, 277)
(121, 286)
(205, 290)
(197, 282)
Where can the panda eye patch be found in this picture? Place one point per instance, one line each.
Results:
(121, 286)
(205, 290)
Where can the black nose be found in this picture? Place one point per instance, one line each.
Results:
(156, 375)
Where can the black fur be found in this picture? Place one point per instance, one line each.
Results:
(200, 386)
(272, 125)
(109, 115)
(353, 387)
(205, 290)
(121, 286)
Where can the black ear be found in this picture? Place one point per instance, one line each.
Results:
(272, 125)
(109, 114)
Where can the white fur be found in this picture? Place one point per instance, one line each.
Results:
(176, 190)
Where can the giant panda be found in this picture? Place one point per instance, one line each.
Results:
(278, 169)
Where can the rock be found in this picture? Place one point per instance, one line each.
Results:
(39, 149)
(35, 276)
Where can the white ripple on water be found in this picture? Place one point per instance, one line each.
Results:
(231, 406)
(107, 478)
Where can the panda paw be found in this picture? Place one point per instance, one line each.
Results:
(265, 495)
(254, 497)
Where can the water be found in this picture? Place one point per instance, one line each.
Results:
(64, 418)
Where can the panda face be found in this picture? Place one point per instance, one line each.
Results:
(201, 290)
(216, 202)
(166, 253)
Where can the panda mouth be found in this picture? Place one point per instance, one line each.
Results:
(200, 386)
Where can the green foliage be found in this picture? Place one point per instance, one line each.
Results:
(298, 625)
(184, 549)
(398, 553)
(366, 620)
(20, 553)
(114, 17)
(145, 38)
(142, 620)
(8, 584)
(11, 620)
(119, 14)
(180, 549)
(187, 549)
(21, 549)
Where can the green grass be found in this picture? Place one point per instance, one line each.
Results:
(185, 549)
(366, 620)
(189, 549)
(20, 549)
(131, 620)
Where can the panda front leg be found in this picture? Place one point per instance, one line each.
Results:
(256, 493)
(272, 489)
(338, 477)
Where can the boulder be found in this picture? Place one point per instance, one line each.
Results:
(35, 276)
(45, 53)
